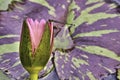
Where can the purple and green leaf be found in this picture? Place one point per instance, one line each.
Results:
(87, 51)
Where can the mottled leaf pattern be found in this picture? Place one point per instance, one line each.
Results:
(87, 50)
(5, 3)
(3, 76)
(96, 51)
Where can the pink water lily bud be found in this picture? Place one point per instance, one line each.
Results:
(36, 29)
(35, 45)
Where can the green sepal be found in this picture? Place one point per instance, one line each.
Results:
(25, 48)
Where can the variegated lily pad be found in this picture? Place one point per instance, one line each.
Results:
(95, 38)
(87, 50)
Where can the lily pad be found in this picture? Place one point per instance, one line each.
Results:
(87, 50)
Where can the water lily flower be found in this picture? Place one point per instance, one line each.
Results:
(35, 45)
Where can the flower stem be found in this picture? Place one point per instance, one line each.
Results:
(33, 76)
(33, 71)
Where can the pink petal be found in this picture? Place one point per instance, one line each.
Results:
(51, 30)
(39, 31)
(30, 26)
(51, 37)
(36, 31)
(35, 28)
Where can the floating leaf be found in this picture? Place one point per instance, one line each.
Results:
(89, 50)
